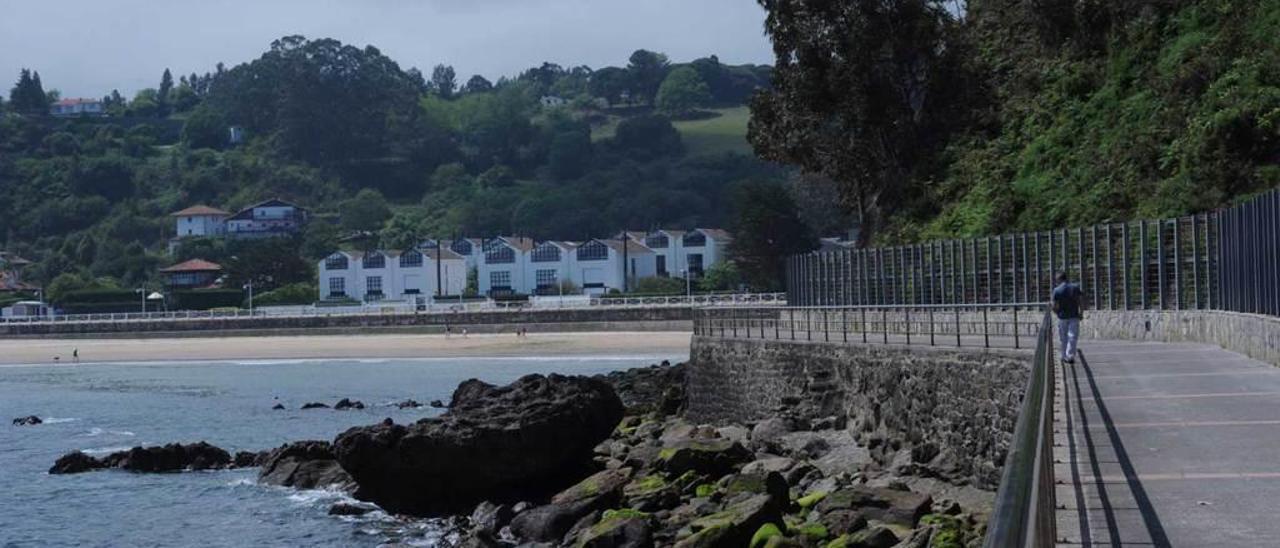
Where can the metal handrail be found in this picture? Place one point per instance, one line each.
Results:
(1024, 506)
(1007, 325)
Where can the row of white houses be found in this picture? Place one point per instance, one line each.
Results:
(518, 265)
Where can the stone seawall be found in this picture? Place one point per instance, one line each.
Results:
(1253, 335)
(952, 408)
(546, 320)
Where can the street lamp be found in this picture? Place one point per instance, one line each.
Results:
(249, 286)
(688, 286)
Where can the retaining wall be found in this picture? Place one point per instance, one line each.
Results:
(953, 409)
(1253, 335)
(545, 320)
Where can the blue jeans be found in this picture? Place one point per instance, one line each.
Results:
(1068, 335)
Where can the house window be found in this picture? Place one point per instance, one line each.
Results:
(695, 239)
(593, 251)
(546, 253)
(461, 247)
(336, 262)
(545, 278)
(500, 254)
(411, 258)
(662, 265)
(500, 281)
(337, 287)
(657, 241)
(375, 260)
(373, 288)
(695, 265)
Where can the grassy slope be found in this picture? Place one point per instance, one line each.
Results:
(724, 133)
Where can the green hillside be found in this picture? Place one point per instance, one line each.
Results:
(725, 132)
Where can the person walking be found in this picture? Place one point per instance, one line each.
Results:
(1068, 305)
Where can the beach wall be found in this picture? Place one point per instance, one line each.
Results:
(959, 407)
(598, 319)
(1253, 335)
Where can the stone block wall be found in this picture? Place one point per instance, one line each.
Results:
(1253, 335)
(950, 406)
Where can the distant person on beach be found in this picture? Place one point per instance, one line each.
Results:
(464, 332)
(75, 355)
(1067, 304)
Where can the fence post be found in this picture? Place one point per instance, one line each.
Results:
(884, 324)
(931, 341)
(844, 323)
(1160, 266)
(986, 330)
(1017, 342)
(792, 320)
(826, 332)
(864, 325)
(906, 315)
(1142, 258)
(1124, 265)
(957, 327)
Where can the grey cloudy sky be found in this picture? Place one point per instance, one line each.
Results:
(88, 47)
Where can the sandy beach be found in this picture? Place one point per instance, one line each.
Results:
(37, 351)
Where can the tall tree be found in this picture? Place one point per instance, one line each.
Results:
(682, 92)
(609, 83)
(28, 95)
(766, 230)
(863, 93)
(477, 84)
(444, 81)
(647, 70)
(162, 93)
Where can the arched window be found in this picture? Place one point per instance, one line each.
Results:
(695, 239)
(410, 259)
(375, 260)
(657, 241)
(336, 262)
(461, 247)
(593, 251)
(500, 254)
(546, 253)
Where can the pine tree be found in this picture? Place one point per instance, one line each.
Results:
(162, 94)
(28, 96)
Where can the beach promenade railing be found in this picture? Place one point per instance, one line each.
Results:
(1008, 325)
(406, 308)
(1228, 259)
(1023, 515)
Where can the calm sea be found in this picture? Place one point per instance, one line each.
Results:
(100, 408)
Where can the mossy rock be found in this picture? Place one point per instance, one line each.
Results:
(624, 528)
(715, 457)
(704, 490)
(606, 483)
(651, 492)
(772, 484)
(763, 534)
(949, 531)
(808, 501)
(732, 527)
(811, 531)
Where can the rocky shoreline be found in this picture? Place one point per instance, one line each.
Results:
(609, 461)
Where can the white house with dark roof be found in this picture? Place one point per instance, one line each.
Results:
(703, 247)
(200, 221)
(552, 264)
(267, 219)
(391, 275)
(600, 265)
(504, 266)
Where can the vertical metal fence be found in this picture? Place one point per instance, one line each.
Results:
(1224, 260)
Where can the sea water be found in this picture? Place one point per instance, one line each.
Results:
(101, 408)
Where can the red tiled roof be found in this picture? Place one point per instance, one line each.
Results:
(76, 101)
(198, 210)
(194, 265)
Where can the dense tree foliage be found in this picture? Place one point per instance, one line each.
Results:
(682, 92)
(1013, 115)
(767, 229)
(372, 150)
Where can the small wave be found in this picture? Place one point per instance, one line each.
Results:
(95, 432)
(104, 450)
(55, 420)
(241, 482)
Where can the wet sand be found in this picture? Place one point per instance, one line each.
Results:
(37, 351)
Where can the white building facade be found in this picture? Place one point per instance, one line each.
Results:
(391, 275)
(504, 267)
(267, 219)
(680, 253)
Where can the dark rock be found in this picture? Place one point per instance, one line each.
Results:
(247, 459)
(840, 522)
(733, 526)
(494, 443)
(437, 404)
(408, 404)
(168, 458)
(547, 523)
(30, 420)
(768, 433)
(345, 403)
(715, 457)
(278, 407)
(347, 509)
(490, 518)
(769, 483)
(75, 462)
(305, 465)
(875, 537)
(618, 529)
(315, 405)
(890, 506)
(650, 493)
(656, 389)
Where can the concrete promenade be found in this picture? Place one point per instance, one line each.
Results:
(1167, 444)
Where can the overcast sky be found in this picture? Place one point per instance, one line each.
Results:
(88, 47)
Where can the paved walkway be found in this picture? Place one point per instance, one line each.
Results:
(1167, 445)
